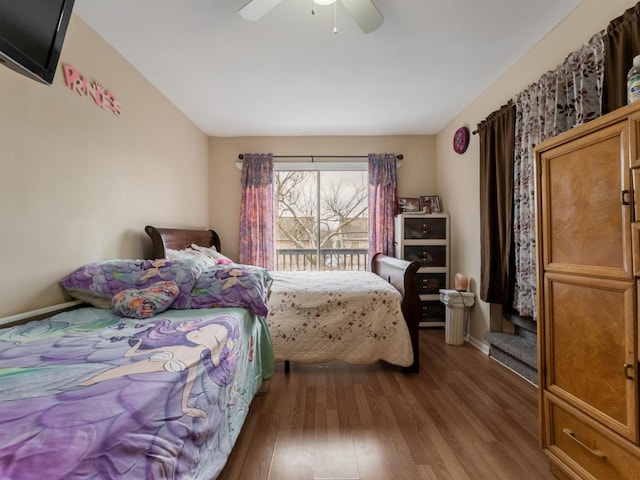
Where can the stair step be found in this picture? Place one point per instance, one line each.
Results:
(521, 348)
(528, 334)
(524, 323)
(514, 365)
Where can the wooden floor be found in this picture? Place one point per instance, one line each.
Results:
(463, 417)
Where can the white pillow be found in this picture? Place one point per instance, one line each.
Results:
(211, 252)
(189, 254)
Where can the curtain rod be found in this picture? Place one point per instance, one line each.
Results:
(398, 157)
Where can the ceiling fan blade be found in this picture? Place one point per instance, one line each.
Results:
(365, 13)
(256, 9)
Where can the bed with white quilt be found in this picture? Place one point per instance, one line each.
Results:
(152, 381)
(356, 317)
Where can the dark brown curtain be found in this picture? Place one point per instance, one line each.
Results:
(497, 148)
(622, 43)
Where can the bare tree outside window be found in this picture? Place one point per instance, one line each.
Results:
(321, 220)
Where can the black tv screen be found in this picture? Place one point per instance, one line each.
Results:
(31, 35)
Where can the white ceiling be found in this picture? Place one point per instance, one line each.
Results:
(289, 74)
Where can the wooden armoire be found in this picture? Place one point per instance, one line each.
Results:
(588, 249)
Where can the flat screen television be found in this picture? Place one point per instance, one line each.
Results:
(31, 35)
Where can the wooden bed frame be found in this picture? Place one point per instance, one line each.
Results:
(400, 273)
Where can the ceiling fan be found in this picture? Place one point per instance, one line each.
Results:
(364, 12)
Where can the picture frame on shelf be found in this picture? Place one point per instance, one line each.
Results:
(430, 204)
(409, 205)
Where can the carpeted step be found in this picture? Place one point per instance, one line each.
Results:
(515, 352)
(525, 323)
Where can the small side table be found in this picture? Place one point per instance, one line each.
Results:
(457, 305)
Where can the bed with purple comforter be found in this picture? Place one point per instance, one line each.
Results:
(156, 386)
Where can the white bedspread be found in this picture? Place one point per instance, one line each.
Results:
(355, 317)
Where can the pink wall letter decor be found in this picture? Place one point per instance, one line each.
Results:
(102, 97)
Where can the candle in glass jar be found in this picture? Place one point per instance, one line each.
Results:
(462, 282)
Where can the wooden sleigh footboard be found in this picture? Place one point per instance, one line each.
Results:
(401, 274)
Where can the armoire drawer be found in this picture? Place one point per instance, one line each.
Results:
(582, 440)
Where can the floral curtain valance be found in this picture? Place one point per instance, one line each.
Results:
(568, 96)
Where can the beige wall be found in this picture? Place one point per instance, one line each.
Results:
(416, 176)
(78, 184)
(458, 175)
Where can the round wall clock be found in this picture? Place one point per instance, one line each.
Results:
(461, 140)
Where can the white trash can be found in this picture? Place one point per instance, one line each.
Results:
(457, 305)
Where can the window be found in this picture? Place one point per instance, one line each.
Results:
(321, 218)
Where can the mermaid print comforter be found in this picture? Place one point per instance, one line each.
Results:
(88, 394)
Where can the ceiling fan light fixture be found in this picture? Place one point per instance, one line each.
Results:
(364, 12)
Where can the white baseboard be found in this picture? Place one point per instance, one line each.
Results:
(513, 371)
(478, 344)
(39, 312)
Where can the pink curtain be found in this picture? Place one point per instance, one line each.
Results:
(383, 203)
(256, 211)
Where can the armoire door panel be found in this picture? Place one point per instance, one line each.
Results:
(634, 138)
(587, 347)
(635, 247)
(585, 223)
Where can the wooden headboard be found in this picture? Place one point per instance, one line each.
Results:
(179, 239)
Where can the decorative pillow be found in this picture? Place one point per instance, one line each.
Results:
(146, 302)
(241, 286)
(97, 283)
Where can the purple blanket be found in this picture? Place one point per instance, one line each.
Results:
(87, 394)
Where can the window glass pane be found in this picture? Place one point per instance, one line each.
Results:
(296, 197)
(343, 220)
(321, 220)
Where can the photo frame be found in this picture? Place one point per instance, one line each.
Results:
(409, 205)
(430, 204)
